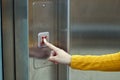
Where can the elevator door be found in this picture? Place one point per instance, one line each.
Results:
(95, 30)
(14, 39)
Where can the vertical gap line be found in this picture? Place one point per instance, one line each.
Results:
(57, 9)
(14, 39)
(68, 33)
(2, 42)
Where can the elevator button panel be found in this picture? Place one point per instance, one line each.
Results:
(41, 37)
(43, 19)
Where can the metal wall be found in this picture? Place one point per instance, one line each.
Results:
(15, 39)
(44, 15)
(95, 30)
(21, 39)
(47, 16)
(7, 38)
(63, 34)
(42, 18)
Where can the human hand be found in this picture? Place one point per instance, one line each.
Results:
(58, 55)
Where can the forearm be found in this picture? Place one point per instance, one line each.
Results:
(110, 62)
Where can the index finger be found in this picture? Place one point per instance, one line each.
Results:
(50, 45)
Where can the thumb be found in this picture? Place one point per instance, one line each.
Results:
(52, 59)
(53, 53)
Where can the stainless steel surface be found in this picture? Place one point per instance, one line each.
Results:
(51, 16)
(7, 38)
(21, 39)
(42, 18)
(63, 34)
(95, 29)
(1, 71)
(96, 22)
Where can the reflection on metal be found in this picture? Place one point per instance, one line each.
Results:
(8, 40)
(63, 34)
(50, 16)
(21, 39)
(42, 18)
(95, 22)
(15, 39)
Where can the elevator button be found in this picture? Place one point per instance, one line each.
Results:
(41, 36)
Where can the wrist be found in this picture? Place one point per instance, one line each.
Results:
(69, 60)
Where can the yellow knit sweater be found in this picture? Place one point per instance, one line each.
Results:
(109, 62)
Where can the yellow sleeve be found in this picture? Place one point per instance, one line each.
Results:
(108, 62)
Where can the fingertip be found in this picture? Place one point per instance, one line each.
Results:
(51, 46)
(45, 41)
